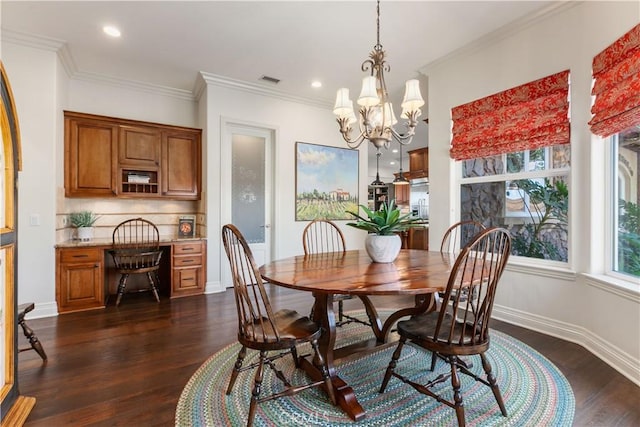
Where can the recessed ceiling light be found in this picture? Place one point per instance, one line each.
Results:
(111, 31)
(395, 150)
(316, 84)
(392, 163)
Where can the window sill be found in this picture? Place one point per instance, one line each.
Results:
(620, 287)
(553, 269)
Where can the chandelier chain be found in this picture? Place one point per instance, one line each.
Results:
(378, 45)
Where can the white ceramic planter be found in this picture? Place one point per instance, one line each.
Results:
(85, 233)
(383, 249)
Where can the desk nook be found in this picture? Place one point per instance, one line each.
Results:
(86, 276)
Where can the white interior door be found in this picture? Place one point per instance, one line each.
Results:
(251, 180)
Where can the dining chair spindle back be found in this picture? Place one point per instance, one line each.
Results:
(461, 326)
(262, 329)
(458, 235)
(136, 250)
(324, 236)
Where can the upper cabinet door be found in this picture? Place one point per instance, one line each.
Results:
(181, 164)
(90, 157)
(139, 146)
(419, 163)
(110, 157)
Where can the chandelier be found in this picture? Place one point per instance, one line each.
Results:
(376, 117)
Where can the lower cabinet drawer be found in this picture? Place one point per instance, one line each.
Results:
(187, 281)
(79, 279)
(187, 268)
(187, 261)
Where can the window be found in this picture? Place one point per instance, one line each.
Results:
(626, 195)
(525, 192)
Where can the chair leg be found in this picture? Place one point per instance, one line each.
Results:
(434, 359)
(324, 371)
(340, 311)
(33, 340)
(257, 385)
(294, 354)
(121, 286)
(457, 396)
(236, 368)
(494, 386)
(154, 288)
(392, 364)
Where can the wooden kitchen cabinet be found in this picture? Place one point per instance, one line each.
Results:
(188, 268)
(181, 171)
(139, 146)
(402, 194)
(80, 279)
(110, 157)
(418, 238)
(90, 156)
(419, 163)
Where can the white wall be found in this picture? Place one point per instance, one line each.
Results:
(33, 74)
(562, 302)
(291, 122)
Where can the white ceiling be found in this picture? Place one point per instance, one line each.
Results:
(167, 43)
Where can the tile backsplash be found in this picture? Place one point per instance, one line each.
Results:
(163, 213)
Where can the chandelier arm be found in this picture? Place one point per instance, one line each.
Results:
(403, 138)
(345, 130)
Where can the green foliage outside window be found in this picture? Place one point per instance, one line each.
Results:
(547, 208)
(629, 238)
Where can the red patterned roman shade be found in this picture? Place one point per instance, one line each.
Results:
(616, 71)
(529, 116)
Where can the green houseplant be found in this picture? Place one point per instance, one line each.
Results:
(383, 242)
(84, 222)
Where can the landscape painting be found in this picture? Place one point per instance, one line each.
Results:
(326, 182)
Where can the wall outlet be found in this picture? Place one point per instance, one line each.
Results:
(34, 220)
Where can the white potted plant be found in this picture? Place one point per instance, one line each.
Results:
(83, 221)
(383, 243)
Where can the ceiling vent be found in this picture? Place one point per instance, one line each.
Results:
(268, 79)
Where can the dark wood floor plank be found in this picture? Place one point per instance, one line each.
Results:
(128, 365)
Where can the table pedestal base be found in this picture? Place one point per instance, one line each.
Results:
(324, 315)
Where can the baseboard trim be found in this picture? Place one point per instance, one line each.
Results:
(607, 352)
(214, 288)
(43, 309)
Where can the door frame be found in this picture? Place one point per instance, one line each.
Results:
(227, 127)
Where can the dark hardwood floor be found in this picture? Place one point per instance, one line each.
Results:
(127, 366)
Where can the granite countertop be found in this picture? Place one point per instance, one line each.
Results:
(108, 241)
(423, 224)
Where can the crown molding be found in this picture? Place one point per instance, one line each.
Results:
(134, 85)
(70, 67)
(504, 32)
(206, 79)
(202, 81)
(32, 40)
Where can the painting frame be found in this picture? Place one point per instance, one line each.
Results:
(187, 227)
(327, 182)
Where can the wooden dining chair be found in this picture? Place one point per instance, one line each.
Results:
(460, 328)
(136, 250)
(453, 240)
(35, 343)
(261, 329)
(456, 236)
(324, 236)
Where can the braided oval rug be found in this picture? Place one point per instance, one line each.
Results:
(534, 391)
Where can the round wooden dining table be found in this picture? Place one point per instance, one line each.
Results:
(414, 272)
